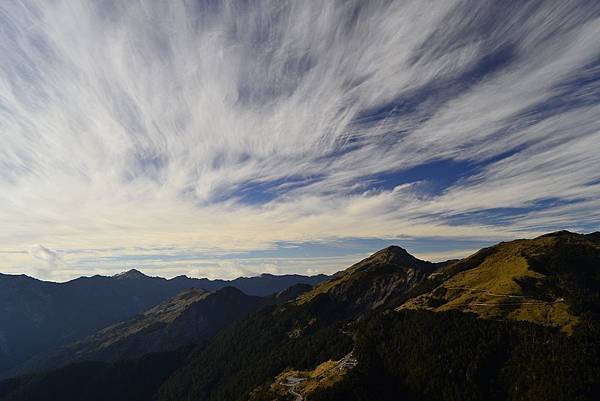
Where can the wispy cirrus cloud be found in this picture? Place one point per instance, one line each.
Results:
(233, 126)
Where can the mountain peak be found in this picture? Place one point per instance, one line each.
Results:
(561, 233)
(369, 283)
(229, 291)
(394, 255)
(394, 250)
(131, 274)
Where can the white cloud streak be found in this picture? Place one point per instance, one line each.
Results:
(136, 123)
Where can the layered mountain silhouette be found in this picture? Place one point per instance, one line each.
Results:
(384, 312)
(302, 333)
(185, 319)
(37, 316)
(519, 320)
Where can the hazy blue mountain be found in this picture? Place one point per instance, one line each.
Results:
(185, 319)
(36, 316)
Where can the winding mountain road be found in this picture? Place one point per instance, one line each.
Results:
(492, 294)
(292, 382)
(348, 362)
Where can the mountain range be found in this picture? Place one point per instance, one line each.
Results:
(519, 320)
(39, 316)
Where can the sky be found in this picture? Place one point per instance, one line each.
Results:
(227, 138)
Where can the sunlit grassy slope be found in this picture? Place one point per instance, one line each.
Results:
(535, 280)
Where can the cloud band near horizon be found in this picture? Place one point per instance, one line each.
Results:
(224, 129)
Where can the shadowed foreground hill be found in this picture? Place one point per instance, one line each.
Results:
(136, 380)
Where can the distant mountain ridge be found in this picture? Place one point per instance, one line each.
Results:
(261, 285)
(36, 315)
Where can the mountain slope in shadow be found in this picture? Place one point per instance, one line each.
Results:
(190, 317)
(37, 316)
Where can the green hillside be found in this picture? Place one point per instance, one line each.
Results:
(550, 280)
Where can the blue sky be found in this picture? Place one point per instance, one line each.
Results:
(227, 138)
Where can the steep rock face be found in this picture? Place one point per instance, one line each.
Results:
(371, 282)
